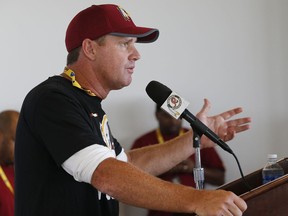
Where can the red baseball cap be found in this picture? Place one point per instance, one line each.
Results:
(99, 20)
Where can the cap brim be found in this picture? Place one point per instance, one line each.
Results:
(143, 35)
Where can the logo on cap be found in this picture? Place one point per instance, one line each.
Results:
(124, 13)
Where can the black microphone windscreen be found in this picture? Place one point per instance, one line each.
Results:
(158, 92)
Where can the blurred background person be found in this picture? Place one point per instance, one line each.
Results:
(8, 123)
(169, 128)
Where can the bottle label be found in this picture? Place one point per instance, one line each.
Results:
(268, 178)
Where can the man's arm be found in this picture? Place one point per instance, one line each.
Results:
(159, 158)
(130, 185)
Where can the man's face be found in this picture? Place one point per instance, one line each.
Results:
(115, 61)
(167, 123)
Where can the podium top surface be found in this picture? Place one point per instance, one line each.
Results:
(254, 181)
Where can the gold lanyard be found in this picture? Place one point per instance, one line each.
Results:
(160, 137)
(6, 181)
(72, 76)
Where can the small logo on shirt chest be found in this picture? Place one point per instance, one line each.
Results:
(93, 115)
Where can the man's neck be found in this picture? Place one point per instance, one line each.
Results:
(86, 81)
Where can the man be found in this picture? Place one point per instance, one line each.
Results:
(169, 128)
(8, 123)
(68, 162)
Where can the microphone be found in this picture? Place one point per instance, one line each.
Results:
(176, 106)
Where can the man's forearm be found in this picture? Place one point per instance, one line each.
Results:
(130, 185)
(159, 158)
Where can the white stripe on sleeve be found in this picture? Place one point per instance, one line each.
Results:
(82, 164)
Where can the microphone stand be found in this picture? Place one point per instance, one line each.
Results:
(198, 171)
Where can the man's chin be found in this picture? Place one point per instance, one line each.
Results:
(127, 83)
(123, 84)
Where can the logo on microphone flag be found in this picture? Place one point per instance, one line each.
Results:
(175, 105)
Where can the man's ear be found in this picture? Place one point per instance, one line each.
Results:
(89, 48)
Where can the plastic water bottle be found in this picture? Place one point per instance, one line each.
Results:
(272, 170)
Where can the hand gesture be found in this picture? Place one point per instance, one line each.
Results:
(221, 124)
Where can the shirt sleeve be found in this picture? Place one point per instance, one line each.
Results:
(82, 164)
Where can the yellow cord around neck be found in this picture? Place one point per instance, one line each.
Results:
(160, 137)
(6, 180)
(72, 76)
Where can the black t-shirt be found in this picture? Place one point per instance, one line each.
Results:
(57, 120)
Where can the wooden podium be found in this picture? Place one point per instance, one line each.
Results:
(263, 200)
(270, 199)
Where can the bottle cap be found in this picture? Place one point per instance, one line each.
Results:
(272, 156)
